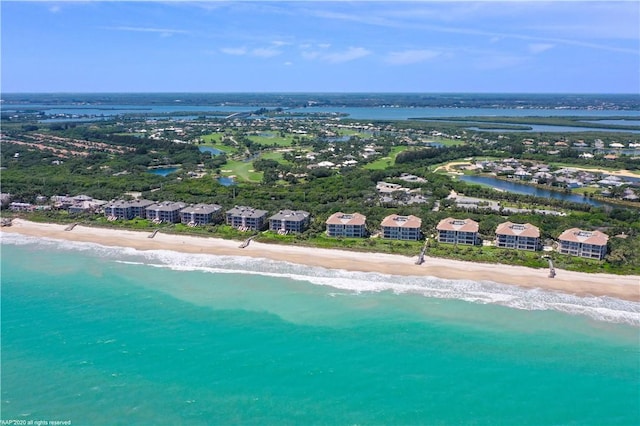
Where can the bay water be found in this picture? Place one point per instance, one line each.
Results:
(101, 336)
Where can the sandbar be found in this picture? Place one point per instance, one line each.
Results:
(626, 287)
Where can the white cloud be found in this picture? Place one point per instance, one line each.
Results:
(350, 54)
(162, 31)
(236, 51)
(411, 56)
(265, 52)
(54, 9)
(536, 48)
(288, 63)
(259, 52)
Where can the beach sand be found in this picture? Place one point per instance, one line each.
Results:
(582, 284)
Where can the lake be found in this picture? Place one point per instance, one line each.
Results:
(520, 188)
(163, 171)
(211, 150)
(226, 181)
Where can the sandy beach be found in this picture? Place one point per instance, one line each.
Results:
(582, 284)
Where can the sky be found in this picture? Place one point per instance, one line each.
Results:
(325, 46)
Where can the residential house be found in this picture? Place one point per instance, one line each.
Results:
(458, 231)
(346, 225)
(21, 207)
(85, 206)
(167, 211)
(201, 214)
(286, 221)
(518, 236)
(589, 244)
(245, 218)
(387, 188)
(396, 227)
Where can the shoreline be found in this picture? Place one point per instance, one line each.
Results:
(626, 287)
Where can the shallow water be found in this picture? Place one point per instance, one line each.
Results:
(101, 335)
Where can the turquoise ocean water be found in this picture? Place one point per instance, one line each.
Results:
(104, 336)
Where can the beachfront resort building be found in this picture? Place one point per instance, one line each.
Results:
(77, 204)
(126, 210)
(167, 211)
(201, 214)
(589, 244)
(519, 236)
(346, 225)
(246, 218)
(396, 227)
(286, 221)
(458, 231)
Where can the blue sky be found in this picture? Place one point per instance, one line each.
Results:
(339, 46)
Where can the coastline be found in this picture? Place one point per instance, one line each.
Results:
(626, 287)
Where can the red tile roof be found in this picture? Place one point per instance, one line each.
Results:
(518, 229)
(340, 218)
(464, 225)
(397, 221)
(576, 235)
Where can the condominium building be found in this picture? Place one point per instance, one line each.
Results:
(518, 236)
(396, 227)
(201, 214)
(589, 244)
(346, 225)
(167, 211)
(139, 207)
(286, 221)
(246, 218)
(458, 231)
(127, 209)
(117, 210)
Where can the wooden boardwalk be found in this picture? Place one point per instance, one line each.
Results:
(420, 260)
(246, 242)
(153, 234)
(70, 227)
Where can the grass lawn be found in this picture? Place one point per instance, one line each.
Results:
(272, 138)
(586, 190)
(243, 171)
(448, 142)
(215, 138)
(274, 155)
(384, 162)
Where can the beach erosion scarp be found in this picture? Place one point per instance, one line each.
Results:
(625, 287)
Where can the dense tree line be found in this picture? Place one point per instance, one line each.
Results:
(436, 155)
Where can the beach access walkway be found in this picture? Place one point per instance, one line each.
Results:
(246, 242)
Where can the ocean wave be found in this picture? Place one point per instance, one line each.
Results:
(602, 308)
